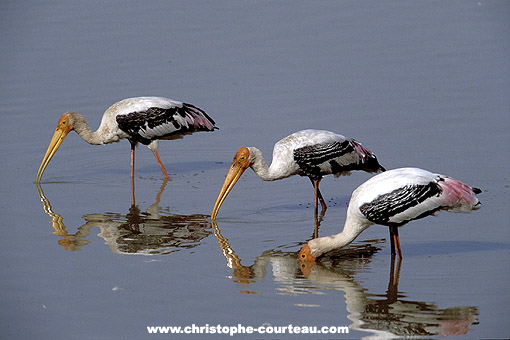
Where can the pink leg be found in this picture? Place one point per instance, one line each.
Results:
(318, 197)
(133, 160)
(323, 204)
(133, 173)
(155, 152)
(395, 243)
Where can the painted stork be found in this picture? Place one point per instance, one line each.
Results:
(142, 119)
(311, 153)
(394, 198)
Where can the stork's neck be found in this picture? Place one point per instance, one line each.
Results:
(353, 226)
(82, 128)
(259, 166)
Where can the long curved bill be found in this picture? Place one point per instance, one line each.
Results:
(233, 175)
(57, 139)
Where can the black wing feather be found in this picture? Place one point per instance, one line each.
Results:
(172, 121)
(385, 206)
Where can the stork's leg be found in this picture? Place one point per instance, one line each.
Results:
(155, 152)
(132, 173)
(153, 146)
(318, 196)
(315, 196)
(323, 204)
(392, 242)
(395, 242)
(132, 159)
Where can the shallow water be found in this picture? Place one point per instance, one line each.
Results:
(420, 84)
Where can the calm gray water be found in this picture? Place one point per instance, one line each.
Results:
(421, 84)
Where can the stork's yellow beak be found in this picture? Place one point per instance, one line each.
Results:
(63, 128)
(239, 165)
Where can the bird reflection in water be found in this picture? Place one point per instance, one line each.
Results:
(142, 233)
(285, 268)
(391, 314)
(387, 315)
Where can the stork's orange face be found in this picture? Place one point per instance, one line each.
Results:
(305, 254)
(64, 126)
(239, 165)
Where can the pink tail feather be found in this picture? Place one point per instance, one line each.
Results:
(198, 118)
(457, 196)
(361, 150)
(367, 157)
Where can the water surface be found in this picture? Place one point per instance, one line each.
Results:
(420, 84)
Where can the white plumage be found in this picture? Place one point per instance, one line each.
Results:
(140, 120)
(285, 164)
(310, 153)
(394, 198)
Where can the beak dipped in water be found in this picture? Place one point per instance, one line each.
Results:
(239, 165)
(63, 128)
(305, 254)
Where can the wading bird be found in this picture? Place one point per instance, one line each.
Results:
(311, 153)
(394, 198)
(142, 119)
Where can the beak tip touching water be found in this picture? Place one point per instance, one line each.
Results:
(214, 213)
(57, 139)
(233, 175)
(305, 254)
